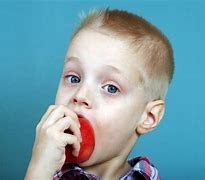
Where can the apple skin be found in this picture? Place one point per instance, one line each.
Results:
(86, 146)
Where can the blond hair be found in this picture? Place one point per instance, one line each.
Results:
(157, 64)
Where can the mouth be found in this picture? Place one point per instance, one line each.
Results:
(80, 116)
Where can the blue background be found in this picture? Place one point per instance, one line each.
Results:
(33, 40)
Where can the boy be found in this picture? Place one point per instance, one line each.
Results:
(116, 74)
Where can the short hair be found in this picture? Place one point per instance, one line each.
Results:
(157, 64)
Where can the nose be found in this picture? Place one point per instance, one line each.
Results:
(81, 102)
(81, 99)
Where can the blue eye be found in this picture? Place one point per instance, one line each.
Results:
(111, 88)
(73, 79)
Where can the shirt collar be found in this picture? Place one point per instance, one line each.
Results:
(141, 168)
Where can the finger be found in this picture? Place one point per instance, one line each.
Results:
(68, 123)
(45, 116)
(69, 139)
(59, 113)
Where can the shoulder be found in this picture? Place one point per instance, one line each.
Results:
(142, 168)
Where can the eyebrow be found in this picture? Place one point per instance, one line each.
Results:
(105, 67)
(71, 58)
(111, 68)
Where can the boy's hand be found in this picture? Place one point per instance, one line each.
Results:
(48, 153)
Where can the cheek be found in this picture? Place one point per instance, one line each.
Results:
(112, 124)
(62, 95)
(113, 135)
(119, 119)
(122, 114)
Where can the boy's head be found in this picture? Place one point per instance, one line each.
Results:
(116, 74)
(156, 65)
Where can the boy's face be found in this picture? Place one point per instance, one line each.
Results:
(100, 82)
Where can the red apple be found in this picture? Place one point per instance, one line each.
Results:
(87, 145)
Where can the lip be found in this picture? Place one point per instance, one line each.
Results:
(81, 116)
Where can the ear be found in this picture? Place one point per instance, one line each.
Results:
(151, 116)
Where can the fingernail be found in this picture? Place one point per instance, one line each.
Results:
(75, 154)
(79, 138)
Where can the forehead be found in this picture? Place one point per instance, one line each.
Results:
(96, 49)
(94, 43)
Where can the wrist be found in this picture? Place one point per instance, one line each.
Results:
(38, 171)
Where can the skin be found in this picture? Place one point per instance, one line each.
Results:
(100, 81)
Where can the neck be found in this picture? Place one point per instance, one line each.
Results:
(113, 168)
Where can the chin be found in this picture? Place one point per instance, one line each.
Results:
(90, 162)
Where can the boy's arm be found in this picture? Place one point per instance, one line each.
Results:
(37, 171)
(48, 154)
